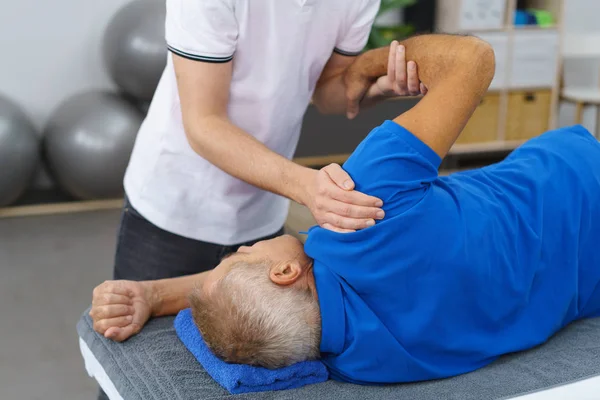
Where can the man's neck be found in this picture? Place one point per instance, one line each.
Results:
(310, 280)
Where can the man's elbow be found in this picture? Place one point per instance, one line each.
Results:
(481, 56)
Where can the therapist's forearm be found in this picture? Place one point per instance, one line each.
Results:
(330, 96)
(241, 155)
(169, 296)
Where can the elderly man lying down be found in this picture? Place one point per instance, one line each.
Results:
(461, 270)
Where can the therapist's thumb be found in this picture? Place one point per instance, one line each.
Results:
(339, 176)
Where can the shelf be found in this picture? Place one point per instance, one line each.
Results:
(60, 208)
(316, 161)
(321, 160)
(528, 89)
(457, 149)
(485, 147)
(534, 27)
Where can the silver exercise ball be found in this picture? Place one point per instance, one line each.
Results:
(134, 47)
(19, 152)
(88, 142)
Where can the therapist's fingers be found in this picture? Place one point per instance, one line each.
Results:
(339, 176)
(352, 211)
(103, 325)
(423, 89)
(339, 230)
(345, 223)
(413, 79)
(340, 216)
(326, 188)
(356, 198)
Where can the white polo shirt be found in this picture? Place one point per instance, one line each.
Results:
(278, 48)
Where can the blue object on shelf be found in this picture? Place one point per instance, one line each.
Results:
(520, 17)
(523, 17)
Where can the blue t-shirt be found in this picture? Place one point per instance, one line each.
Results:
(463, 268)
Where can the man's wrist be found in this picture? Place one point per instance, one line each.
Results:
(374, 95)
(153, 297)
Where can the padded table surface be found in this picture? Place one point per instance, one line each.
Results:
(155, 365)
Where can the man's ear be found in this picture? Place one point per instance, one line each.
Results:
(286, 273)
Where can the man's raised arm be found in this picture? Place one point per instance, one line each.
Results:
(457, 71)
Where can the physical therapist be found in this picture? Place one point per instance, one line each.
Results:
(211, 169)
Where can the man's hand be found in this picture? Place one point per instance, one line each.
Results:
(362, 87)
(121, 308)
(332, 200)
(402, 78)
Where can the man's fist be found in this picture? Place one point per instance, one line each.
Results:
(121, 308)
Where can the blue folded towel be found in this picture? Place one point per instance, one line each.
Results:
(239, 378)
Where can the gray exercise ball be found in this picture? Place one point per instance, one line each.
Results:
(19, 152)
(134, 47)
(88, 142)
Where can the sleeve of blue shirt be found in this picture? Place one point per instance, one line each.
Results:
(395, 166)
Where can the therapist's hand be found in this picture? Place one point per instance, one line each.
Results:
(121, 308)
(332, 200)
(364, 85)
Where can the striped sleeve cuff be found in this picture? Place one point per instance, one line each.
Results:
(197, 57)
(347, 53)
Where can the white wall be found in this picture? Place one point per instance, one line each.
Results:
(581, 16)
(52, 49)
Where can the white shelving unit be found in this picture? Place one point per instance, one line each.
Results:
(523, 99)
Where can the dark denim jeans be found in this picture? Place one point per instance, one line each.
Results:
(146, 252)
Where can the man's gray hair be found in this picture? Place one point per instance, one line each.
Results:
(248, 319)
